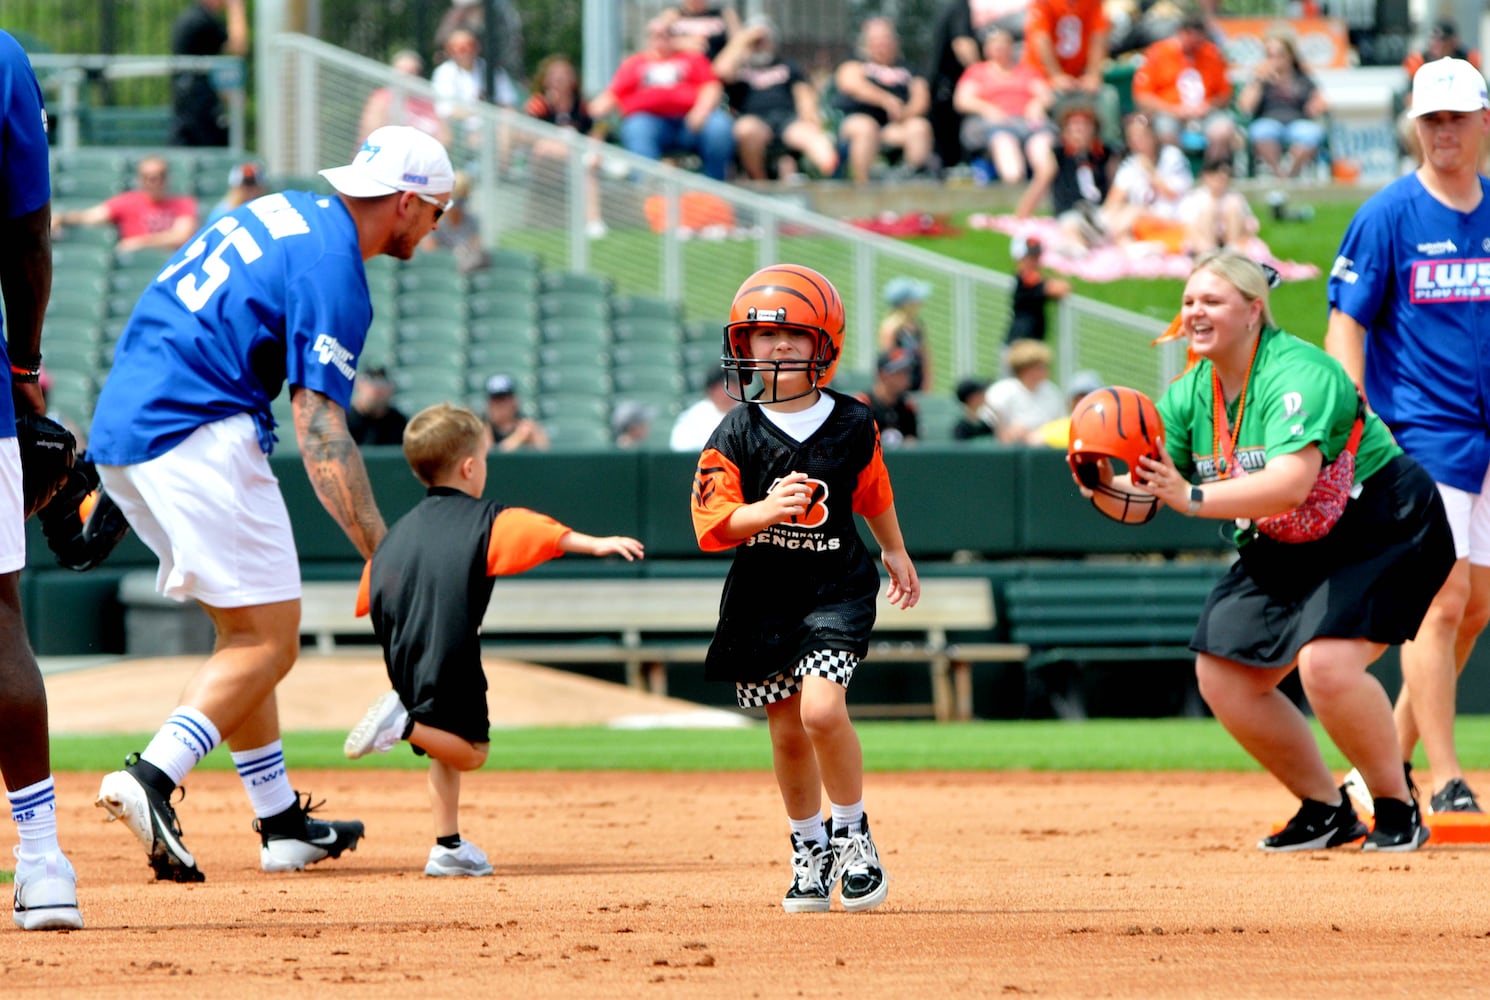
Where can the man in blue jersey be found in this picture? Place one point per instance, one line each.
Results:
(271, 297)
(1409, 309)
(46, 895)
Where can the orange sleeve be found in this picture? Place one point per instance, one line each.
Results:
(364, 592)
(522, 539)
(1219, 83)
(716, 495)
(872, 493)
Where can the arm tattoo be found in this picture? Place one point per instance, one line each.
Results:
(335, 468)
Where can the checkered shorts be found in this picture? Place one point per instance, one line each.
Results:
(836, 665)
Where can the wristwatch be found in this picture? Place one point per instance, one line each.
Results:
(1196, 496)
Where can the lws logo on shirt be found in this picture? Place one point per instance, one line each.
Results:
(1450, 281)
(330, 352)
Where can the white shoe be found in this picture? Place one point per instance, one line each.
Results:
(46, 894)
(597, 230)
(1360, 795)
(380, 730)
(467, 859)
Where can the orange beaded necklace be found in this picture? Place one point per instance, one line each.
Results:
(1227, 461)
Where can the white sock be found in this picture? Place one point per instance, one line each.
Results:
(810, 830)
(181, 743)
(849, 818)
(34, 808)
(265, 778)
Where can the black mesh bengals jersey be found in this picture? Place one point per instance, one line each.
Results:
(793, 588)
(426, 589)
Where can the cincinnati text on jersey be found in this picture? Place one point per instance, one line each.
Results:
(789, 537)
(1450, 280)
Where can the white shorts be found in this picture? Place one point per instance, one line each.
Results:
(1469, 518)
(12, 508)
(211, 510)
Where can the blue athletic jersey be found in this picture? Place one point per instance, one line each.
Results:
(273, 292)
(25, 184)
(1416, 274)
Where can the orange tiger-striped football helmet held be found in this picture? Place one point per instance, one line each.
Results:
(786, 296)
(1115, 425)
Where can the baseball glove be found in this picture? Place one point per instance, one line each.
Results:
(81, 543)
(46, 458)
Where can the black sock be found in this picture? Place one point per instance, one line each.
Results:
(147, 773)
(289, 823)
(452, 841)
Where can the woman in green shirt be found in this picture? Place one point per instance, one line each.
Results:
(1248, 429)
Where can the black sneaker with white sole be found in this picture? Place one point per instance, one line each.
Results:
(812, 877)
(1316, 826)
(863, 884)
(1455, 797)
(291, 840)
(133, 796)
(1399, 827)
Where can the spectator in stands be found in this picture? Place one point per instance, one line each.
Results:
(1183, 87)
(970, 393)
(901, 329)
(1078, 174)
(699, 26)
(1143, 204)
(775, 105)
(1065, 41)
(460, 84)
(884, 104)
(1033, 290)
(1215, 215)
(510, 430)
(199, 118)
(1017, 407)
(148, 218)
(245, 183)
(556, 99)
(1285, 105)
(693, 426)
(631, 423)
(392, 106)
(509, 60)
(669, 99)
(372, 418)
(1443, 43)
(459, 231)
(889, 399)
(1005, 106)
(954, 49)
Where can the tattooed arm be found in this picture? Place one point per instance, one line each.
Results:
(336, 469)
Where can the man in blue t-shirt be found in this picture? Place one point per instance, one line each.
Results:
(1409, 303)
(271, 297)
(46, 895)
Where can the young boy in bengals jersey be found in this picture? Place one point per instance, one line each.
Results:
(779, 482)
(427, 613)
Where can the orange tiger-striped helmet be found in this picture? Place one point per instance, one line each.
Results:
(1115, 424)
(785, 295)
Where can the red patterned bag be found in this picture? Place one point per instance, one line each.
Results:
(1313, 519)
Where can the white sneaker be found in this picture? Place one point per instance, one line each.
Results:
(380, 730)
(597, 230)
(467, 859)
(46, 894)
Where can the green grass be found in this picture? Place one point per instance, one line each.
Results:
(1093, 745)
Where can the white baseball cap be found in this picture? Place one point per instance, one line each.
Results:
(1447, 85)
(395, 158)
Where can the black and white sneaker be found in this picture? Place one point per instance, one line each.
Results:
(1399, 827)
(1455, 797)
(812, 878)
(148, 814)
(291, 840)
(1316, 826)
(856, 866)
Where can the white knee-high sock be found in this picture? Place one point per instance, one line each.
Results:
(34, 808)
(265, 778)
(186, 738)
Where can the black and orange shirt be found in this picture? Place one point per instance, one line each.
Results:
(1070, 24)
(428, 584)
(796, 587)
(894, 80)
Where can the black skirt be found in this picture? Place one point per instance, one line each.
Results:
(1372, 577)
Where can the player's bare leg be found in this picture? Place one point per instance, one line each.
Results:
(256, 647)
(1354, 709)
(444, 797)
(25, 756)
(452, 855)
(1426, 707)
(840, 758)
(793, 759)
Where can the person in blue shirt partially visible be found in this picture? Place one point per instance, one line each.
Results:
(271, 298)
(1408, 309)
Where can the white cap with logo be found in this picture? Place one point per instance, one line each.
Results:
(395, 158)
(1447, 85)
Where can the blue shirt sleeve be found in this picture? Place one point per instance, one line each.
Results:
(1362, 272)
(26, 183)
(326, 327)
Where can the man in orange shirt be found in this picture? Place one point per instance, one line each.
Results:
(1065, 41)
(1183, 87)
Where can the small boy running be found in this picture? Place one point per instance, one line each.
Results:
(780, 482)
(427, 587)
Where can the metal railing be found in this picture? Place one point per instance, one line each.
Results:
(543, 189)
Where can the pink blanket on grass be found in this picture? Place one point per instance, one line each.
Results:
(1144, 260)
